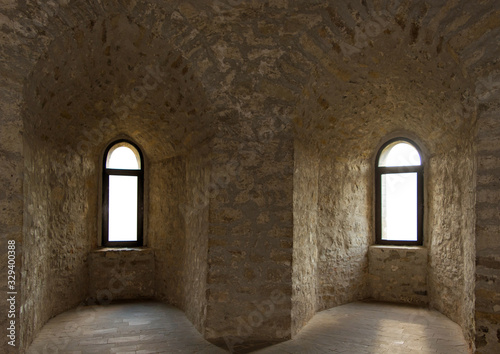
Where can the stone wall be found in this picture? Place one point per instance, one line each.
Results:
(305, 225)
(178, 231)
(344, 230)
(121, 274)
(11, 193)
(487, 287)
(58, 218)
(196, 219)
(450, 235)
(398, 274)
(251, 235)
(167, 235)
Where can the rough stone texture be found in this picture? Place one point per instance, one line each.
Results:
(247, 78)
(398, 274)
(305, 225)
(196, 213)
(250, 238)
(57, 219)
(451, 243)
(178, 230)
(167, 235)
(344, 231)
(122, 274)
(11, 191)
(487, 306)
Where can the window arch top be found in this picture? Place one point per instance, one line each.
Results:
(399, 153)
(123, 156)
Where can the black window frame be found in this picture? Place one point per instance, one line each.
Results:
(105, 197)
(379, 172)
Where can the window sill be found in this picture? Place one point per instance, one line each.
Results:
(122, 249)
(396, 247)
(116, 252)
(411, 254)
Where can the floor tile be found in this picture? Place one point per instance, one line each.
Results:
(152, 327)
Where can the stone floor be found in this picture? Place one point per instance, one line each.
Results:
(151, 327)
(371, 327)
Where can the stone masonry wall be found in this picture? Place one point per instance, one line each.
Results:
(398, 274)
(196, 219)
(57, 221)
(487, 287)
(166, 235)
(344, 231)
(450, 235)
(305, 224)
(11, 192)
(178, 231)
(251, 235)
(122, 274)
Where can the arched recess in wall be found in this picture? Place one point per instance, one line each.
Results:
(401, 228)
(109, 76)
(393, 82)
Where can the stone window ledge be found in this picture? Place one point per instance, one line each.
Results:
(122, 249)
(123, 253)
(394, 247)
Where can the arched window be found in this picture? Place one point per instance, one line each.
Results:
(123, 189)
(399, 193)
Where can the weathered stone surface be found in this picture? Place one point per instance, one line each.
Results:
(167, 229)
(121, 274)
(196, 219)
(251, 235)
(344, 230)
(487, 259)
(58, 220)
(398, 274)
(11, 201)
(451, 195)
(305, 236)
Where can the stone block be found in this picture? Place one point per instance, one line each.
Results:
(398, 274)
(121, 274)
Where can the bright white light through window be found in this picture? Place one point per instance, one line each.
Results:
(399, 206)
(400, 171)
(399, 154)
(124, 158)
(122, 217)
(123, 178)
